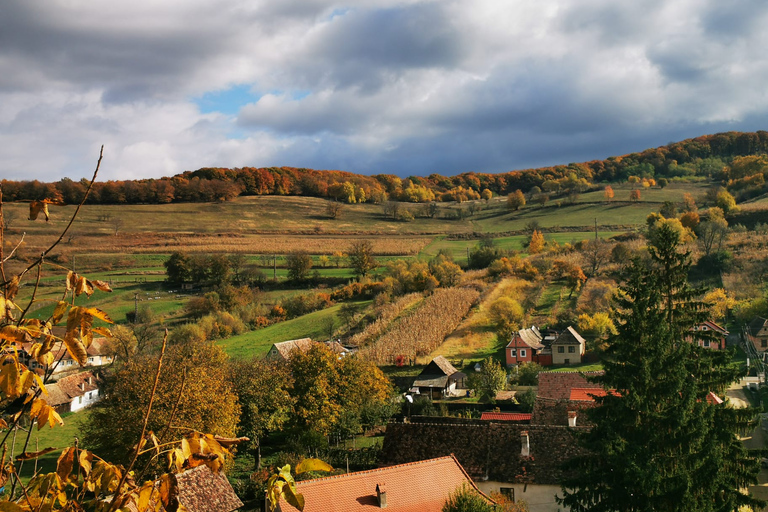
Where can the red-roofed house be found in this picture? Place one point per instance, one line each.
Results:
(524, 347)
(519, 417)
(718, 333)
(586, 394)
(422, 486)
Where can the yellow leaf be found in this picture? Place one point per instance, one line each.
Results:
(9, 380)
(101, 315)
(312, 465)
(37, 405)
(144, 495)
(85, 462)
(185, 449)
(83, 285)
(58, 313)
(76, 349)
(292, 497)
(3, 424)
(71, 280)
(166, 489)
(10, 506)
(101, 285)
(65, 463)
(35, 207)
(13, 334)
(27, 381)
(34, 455)
(43, 415)
(103, 331)
(54, 418)
(12, 288)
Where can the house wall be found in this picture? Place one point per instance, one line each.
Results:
(85, 400)
(540, 498)
(512, 360)
(573, 357)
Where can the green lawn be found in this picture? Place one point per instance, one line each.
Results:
(58, 437)
(257, 343)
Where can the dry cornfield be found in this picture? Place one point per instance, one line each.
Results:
(387, 314)
(163, 243)
(423, 330)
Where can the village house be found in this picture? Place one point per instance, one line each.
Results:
(74, 392)
(440, 379)
(98, 355)
(422, 486)
(525, 347)
(716, 338)
(568, 347)
(282, 351)
(546, 348)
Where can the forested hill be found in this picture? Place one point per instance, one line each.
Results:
(736, 159)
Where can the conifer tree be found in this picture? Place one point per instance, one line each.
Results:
(657, 442)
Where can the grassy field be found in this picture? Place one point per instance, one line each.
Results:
(58, 437)
(257, 343)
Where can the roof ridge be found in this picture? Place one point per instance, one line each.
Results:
(371, 471)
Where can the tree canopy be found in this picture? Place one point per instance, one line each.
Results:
(658, 442)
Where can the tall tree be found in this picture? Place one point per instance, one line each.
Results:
(299, 264)
(361, 258)
(658, 443)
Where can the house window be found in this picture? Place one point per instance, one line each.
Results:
(69, 362)
(90, 359)
(513, 352)
(90, 395)
(560, 350)
(80, 399)
(706, 343)
(764, 344)
(522, 352)
(509, 492)
(571, 350)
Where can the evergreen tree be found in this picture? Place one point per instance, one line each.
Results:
(657, 443)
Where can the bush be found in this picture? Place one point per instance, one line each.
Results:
(526, 399)
(528, 374)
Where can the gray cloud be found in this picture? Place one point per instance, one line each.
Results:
(408, 87)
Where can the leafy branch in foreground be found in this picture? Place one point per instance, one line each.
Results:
(82, 480)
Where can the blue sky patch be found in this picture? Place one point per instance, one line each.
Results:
(228, 101)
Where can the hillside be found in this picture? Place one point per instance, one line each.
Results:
(730, 158)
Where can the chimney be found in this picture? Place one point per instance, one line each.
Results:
(381, 494)
(572, 418)
(526, 449)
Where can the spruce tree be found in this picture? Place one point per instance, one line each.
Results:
(657, 443)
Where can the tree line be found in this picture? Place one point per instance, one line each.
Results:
(710, 156)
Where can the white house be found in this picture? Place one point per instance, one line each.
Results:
(74, 392)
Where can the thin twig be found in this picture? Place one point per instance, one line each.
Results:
(71, 221)
(144, 424)
(34, 292)
(168, 425)
(10, 255)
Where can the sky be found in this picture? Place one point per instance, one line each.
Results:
(369, 86)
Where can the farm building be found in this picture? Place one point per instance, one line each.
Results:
(282, 351)
(98, 355)
(718, 335)
(74, 392)
(422, 485)
(568, 347)
(440, 379)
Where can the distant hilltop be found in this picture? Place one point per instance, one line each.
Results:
(736, 159)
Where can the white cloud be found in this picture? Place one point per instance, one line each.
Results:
(369, 86)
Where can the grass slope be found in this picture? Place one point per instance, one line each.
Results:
(313, 325)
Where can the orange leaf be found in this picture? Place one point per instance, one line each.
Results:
(101, 285)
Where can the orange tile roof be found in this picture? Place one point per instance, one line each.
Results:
(586, 394)
(414, 487)
(506, 416)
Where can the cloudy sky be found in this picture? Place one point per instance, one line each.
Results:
(369, 86)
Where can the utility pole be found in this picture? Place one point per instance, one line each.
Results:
(595, 229)
(274, 267)
(135, 308)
